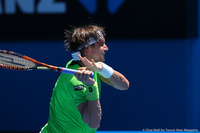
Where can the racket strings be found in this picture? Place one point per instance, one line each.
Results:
(14, 62)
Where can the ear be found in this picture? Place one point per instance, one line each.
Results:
(87, 50)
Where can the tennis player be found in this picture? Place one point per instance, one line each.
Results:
(75, 103)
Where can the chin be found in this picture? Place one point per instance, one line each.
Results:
(100, 60)
(103, 60)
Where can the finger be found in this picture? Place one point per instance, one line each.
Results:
(81, 76)
(81, 58)
(93, 63)
(82, 68)
(84, 60)
(77, 74)
(87, 61)
(86, 75)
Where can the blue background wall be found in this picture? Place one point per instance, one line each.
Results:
(157, 98)
(164, 85)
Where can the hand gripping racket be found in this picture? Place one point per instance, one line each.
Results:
(15, 61)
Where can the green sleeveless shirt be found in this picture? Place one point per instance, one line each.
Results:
(64, 116)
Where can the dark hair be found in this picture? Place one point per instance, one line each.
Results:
(78, 36)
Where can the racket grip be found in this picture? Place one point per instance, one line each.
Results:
(72, 72)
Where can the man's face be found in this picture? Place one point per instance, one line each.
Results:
(98, 52)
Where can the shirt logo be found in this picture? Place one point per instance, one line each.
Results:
(90, 89)
(78, 87)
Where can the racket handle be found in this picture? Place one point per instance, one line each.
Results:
(72, 72)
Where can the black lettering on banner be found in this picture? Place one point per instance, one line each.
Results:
(23, 16)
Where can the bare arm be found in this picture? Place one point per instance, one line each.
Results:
(91, 109)
(117, 80)
(91, 113)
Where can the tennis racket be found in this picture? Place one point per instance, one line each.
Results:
(15, 61)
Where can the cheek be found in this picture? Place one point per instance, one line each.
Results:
(98, 56)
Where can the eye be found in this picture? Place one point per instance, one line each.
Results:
(101, 43)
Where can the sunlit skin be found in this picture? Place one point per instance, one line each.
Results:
(91, 110)
(98, 52)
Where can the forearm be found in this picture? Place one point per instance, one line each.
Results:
(112, 77)
(91, 113)
(117, 80)
(107, 74)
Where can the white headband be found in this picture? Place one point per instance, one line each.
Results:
(90, 41)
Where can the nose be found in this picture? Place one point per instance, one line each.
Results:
(105, 47)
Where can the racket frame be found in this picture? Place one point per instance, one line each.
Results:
(45, 66)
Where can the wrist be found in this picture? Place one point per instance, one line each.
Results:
(99, 66)
(106, 71)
